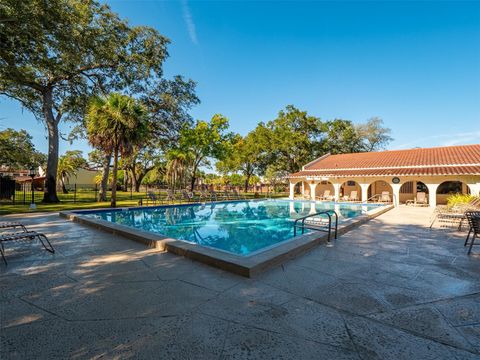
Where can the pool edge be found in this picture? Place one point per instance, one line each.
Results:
(250, 266)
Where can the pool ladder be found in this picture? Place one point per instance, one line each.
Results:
(318, 226)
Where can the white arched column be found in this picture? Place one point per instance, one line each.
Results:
(336, 187)
(432, 194)
(396, 193)
(312, 190)
(474, 188)
(292, 190)
(364, 188)
(292, 208)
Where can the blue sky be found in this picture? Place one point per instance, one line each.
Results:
(414, 64)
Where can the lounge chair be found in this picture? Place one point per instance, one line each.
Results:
(385, 197)
(26, 235)
(326, 196)
(187, 195)
(12, 225)
(170, 196)
(456, 213)
(203, 195)
(213, 195)
(237, 195)
(226, 195)
(420, 200)
(353, 196)
(473, 218)
(152, 197)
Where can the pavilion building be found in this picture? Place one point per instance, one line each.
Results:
(438, 171)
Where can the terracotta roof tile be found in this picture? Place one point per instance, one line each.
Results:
(438, 170)
(451, 155)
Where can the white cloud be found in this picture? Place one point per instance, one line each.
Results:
(187, 16)
(445, 139)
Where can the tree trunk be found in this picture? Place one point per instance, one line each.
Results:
(126, 178)
(194, 177)
(64, 188)
(102, 194)
(247, 180)
(113, 199)
(138, 182)
(50, 194)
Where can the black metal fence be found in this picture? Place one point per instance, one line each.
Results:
(21, 193)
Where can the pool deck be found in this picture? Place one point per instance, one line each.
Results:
(390, 289)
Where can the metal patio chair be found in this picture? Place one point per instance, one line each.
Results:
(473, 218)
(12, 225)
(26, 235)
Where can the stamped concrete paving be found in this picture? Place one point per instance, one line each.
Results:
(392, 289)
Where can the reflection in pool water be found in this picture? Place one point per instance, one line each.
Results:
(238, 227)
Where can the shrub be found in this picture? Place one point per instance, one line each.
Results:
(458, 199)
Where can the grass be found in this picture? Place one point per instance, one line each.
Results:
(86, 200)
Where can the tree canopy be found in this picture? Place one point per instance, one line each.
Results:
(17, 150)
(203, 141)
(116, 124)
(56, 54)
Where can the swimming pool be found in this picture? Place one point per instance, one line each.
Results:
(238, 227)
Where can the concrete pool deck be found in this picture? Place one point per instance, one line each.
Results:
(390, 289)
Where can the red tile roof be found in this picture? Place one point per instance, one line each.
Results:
(451, 160)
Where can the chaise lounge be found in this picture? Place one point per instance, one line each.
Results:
(25, 235)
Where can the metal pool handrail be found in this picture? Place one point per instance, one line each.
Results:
(329, 213)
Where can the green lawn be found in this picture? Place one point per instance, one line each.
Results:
(86, 200)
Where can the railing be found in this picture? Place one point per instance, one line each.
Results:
(308, 225)
(378, 198)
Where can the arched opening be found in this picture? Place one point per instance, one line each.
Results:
(302, 189)
(380, 191)
(325, 191)
(448, 188)
(350, 191)
(410, 189)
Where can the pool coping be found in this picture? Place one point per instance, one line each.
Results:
(248, 266)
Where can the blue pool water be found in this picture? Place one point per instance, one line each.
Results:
(237, 227)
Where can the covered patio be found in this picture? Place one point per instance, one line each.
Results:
(438, 172)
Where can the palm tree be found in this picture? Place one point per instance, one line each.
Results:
(177, 166)
(114, 124)
(68, 164)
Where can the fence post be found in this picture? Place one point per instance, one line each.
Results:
(23, 186)
(131, 190)
(75, 193)
(96, 192)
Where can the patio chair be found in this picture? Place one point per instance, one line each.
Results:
(353, 196)
(237, 194)
(187, 195)
(26, 235)
(227, 195)
(474, 222)
(326, 196)
(152, 197)
(470, 215)
(203, 195)
(385, 197)
(170, 196)
(213, 195)
(12, 225)
(420, 200)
